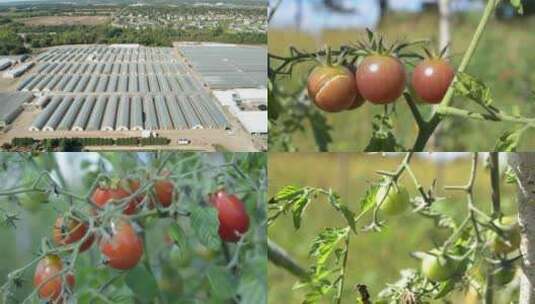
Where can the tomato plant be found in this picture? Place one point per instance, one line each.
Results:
(151, 244)
(381, 69)
(475, 246)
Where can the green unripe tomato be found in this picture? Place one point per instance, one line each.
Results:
(511, 230)
(395, 202)
(504, 275)
(31, 201)
(439, 268)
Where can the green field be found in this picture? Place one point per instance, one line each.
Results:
(375, 258)
(504, 60)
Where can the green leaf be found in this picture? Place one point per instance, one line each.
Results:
(383, 138)
(325, 244)
(178, 235)
(508, 141)
(510, 176)
(205, 224)
(472, 88)
(298, 207)
(289, 192)
(368, 201)
(320, 129)
(143, 284)
(222, 283)
(334, 200)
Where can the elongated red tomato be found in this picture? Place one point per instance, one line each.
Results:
(332, 88)
(164, 192)
(233, 217)
(104, 195)
(431, 79)
(48, 270)
(70, 231)
(124, 248)
(380, 79)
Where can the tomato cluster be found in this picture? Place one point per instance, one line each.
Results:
(121, 246)
(379, 79)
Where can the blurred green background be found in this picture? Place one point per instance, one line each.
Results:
(504, 60)
(375, 259)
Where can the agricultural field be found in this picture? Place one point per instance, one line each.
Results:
(64, 20)
(507, 70)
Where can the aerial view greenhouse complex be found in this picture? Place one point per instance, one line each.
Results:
(118, 88)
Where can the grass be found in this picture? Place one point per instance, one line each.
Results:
(375, 258)
(504, 61)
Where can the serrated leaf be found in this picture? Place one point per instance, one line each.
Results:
(298, 207)
(177, 234)
(320, 130)
(510, 176)
(509, 140)
(368, 201)
(334, 200)
(143, 284)
(326, 243)
(288, 192)
(205, 224)
(473, 89)
(222, 283)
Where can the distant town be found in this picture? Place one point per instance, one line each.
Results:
(193, 18)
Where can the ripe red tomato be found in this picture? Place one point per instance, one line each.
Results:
(431, 79)
(47, 271)
(124, 248)
(380, 79)
(233, 218)
(332, 88)
(163, 189)
(103, 195)
(70, 232)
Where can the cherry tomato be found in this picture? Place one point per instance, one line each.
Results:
(103, 196)
(48, 270)
(163, 189)
(395, 202)
(124, 248)
(333, 88)
(71, 231)
(31, 201)
(439, 268)
(380, 79)
(233, 218)
(431, 79)
(510, 240)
